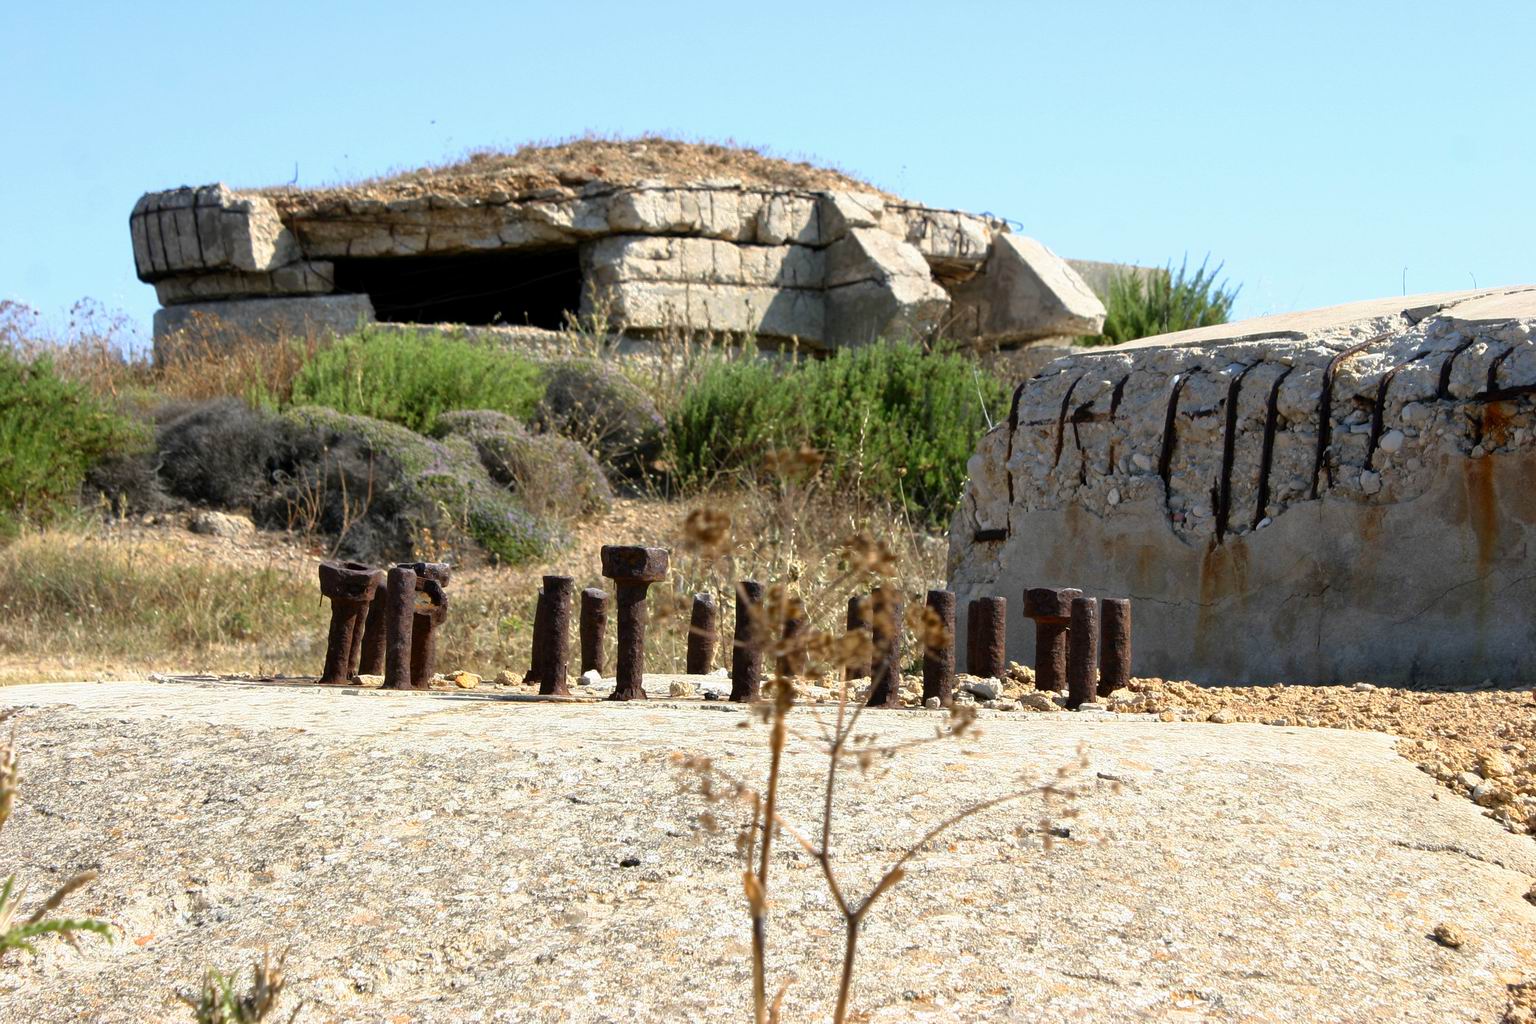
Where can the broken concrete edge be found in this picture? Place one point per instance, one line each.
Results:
(1343, 490)
(699, 256)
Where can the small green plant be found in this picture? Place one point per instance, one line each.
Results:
(412, 378)
(17, 932)
(51, 432)
(1142, 305)
(218, 1001)
(887, 421)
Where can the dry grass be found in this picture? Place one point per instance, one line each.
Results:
(575, 162)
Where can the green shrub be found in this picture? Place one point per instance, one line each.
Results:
(51, 432)
(1139, 306)
(411, 378)
(887, 421)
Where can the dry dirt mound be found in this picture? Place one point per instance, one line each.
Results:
(579, 162)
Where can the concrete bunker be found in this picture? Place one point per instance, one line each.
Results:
(701, 239)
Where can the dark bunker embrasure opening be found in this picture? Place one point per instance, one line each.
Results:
(534, 289)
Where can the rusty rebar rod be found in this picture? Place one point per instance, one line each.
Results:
(594, 628)
(987, 628)
(702, 640)
(1114, 644)
(350, 587)
(370, 660)
(431, 579)
(792, 657)
(633, 570)
(536, 643)
(939, 648)
(400, 615)
(1051, 611)
(1082, 652)
(555, 661)
(746, 646)
(886, 628)
(860, 641)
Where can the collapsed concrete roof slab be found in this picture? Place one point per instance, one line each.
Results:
(825, 266)
(1345, 489)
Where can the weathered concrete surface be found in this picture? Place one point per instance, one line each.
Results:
(1338, 495)
(1024, 292)
(262, 318)
(452, 858)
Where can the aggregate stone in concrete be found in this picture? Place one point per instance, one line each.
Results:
(464, 858)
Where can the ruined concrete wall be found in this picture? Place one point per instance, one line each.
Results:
(1336, 496)
(824, 269)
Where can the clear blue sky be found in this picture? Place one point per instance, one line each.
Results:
(1317, 148)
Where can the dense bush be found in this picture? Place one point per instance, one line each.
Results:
(887, 422)
(550, 474)
(380, 489)
(603, 411)
(411, 378)
(51, 432)
(1141, 305)
(217, 453)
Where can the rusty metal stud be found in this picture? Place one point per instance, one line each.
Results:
(746, 647)
(349, 586)
(1082, 652)
(1114, 644)
(555, 665)
(987, 627)
(939, 648)
(536, 645)
(702, 627)
(858, 625)
(633, 570)
(1051, 611)
(594, 627)
(431, 579)
(792, 658)
(885, 626)
(370, 661)
(399, 616)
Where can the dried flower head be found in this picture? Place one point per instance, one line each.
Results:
(707, 531)
(863, 553)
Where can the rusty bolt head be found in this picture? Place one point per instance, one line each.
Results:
(435, 572)
(349, 581)
(1045, 604)
(634, 564)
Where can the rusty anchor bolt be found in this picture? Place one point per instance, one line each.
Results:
(370, 660)
(431, 579)
(399, 615)
(594, 627)
(792, 657)
(633, 570)
(1114, 644)
(536, 643)
(939, 647)
(987, 637)
(860, 644)
(746, 647)
(885, 626)
(1052, 612)
(1083, 652)
(350, 586)
(702, 626)
(554, 658)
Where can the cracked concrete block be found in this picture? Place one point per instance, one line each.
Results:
(737, 309)
(207, 229)
(1024, 291)
(1320, 497)
(879, 287)
(272, 318)
(303, 277)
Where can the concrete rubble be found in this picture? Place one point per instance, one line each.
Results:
(1313, 497)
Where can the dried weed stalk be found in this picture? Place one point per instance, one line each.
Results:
(17, 932)
(218, 1002)
(863, 559)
